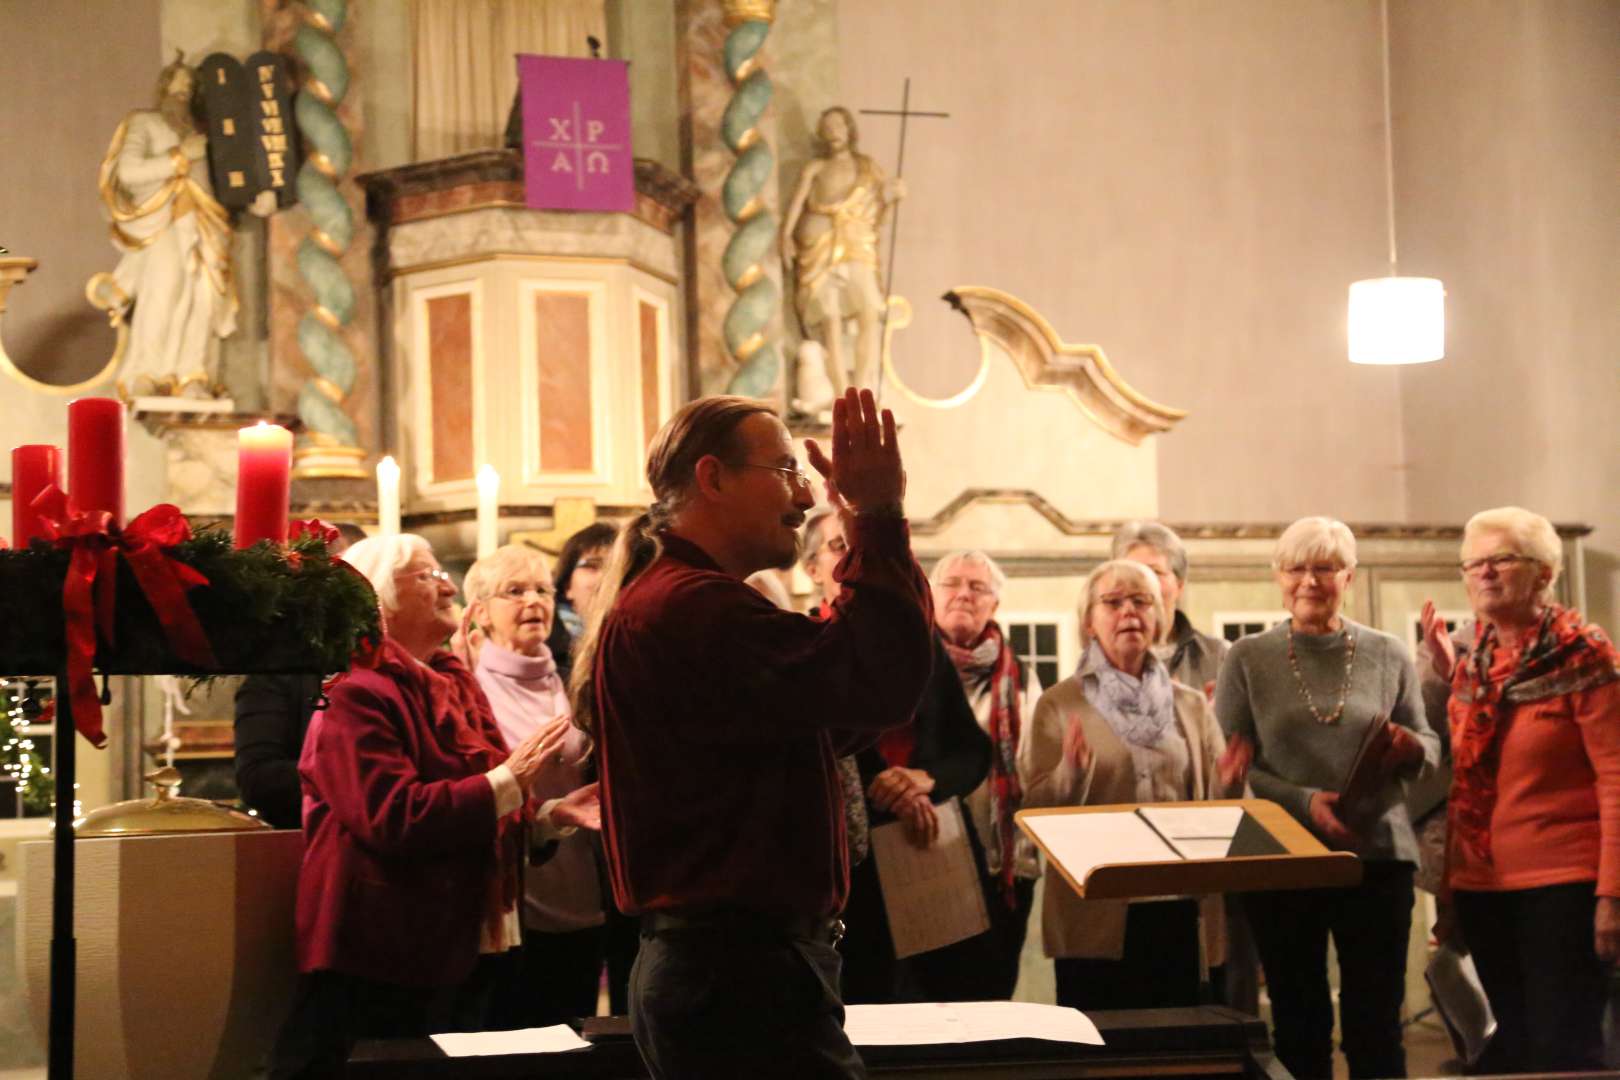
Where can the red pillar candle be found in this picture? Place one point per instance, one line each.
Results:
(96, 456)
(263, 471)
(33, 469)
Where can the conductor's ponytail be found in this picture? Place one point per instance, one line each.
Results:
(699, 429)
(633, 551)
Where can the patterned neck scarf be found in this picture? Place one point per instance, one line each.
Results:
(990, 663)
(1139, 710)
(1563, 657)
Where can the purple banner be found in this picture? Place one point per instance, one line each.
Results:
(576, 134)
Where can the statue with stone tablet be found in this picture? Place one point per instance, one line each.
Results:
(174, 284)
(829, 244)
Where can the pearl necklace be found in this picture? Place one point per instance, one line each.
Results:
(1305, 691)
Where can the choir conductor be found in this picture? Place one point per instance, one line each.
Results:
(718, 720)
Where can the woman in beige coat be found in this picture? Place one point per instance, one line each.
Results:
(1120, 731)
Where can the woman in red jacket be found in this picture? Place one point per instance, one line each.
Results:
(1533, 851)
(413, 814)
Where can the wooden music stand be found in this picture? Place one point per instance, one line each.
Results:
(1280, 853)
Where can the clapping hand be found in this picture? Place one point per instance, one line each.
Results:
(1075, 749)
(1325, 820)
(1235, 761)
(1405, 752)
(580, 808)
(1442, 653)
(1606, 928)
(864, 475)
(532, 753)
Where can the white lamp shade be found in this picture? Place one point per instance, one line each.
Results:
(1397, 320)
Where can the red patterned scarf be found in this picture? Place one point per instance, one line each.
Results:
(1564, 656)
(990, 664)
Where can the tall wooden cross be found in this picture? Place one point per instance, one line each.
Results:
(905, 113)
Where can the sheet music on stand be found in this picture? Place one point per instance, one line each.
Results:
(931, 895)
(1132, 850)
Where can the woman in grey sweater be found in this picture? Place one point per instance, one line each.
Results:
(1303, 695)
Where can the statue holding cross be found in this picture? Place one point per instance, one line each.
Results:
(830, 248)
(829, 243)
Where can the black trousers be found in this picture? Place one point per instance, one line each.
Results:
(722, 1002)
(1369, 924)
(332, 1011)
(1158, 971)
(1536, 958)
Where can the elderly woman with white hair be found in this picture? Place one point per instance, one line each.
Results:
(1533, 852)
(1002, 692)
(1120, 730)
(511, 599)
(1302, 696)
(1194, 657)
(413, 815)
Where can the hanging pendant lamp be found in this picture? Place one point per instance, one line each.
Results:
(1394, 319)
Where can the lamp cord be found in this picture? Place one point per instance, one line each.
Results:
(1389, 140)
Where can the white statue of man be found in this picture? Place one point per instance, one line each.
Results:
(829, 244)
(176, 239)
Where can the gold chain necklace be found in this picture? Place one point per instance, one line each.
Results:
(1305, 691)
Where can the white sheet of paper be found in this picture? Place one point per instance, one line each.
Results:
(1195, 822)
(541, 1040)
(1202, 849)
(932, 895)
(1082, 842)
(968, 1021)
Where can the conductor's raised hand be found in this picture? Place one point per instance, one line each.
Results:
(864, 472)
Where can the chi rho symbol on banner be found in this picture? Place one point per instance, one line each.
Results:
(576, 147)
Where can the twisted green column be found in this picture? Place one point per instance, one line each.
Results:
(328, 444)
(748, 320)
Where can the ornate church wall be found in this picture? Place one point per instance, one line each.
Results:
(1507, 138)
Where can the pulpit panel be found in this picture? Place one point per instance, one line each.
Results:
(567, 394)
(652, 329)
(563, 355)
(448, 371)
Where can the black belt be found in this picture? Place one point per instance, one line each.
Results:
(820, 929)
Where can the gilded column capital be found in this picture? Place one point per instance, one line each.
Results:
(741, 11)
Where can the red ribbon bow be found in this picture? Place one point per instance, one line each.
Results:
(90, 591)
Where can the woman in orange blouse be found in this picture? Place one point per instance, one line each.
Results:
(1533, 852)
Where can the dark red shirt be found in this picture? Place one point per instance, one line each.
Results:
(720, 718)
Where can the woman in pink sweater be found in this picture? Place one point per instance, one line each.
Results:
(511, 599)
(1533, 852)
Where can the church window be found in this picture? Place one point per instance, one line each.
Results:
(1035, 640)
(1231, 625)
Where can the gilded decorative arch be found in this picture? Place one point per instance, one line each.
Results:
(1046, 360)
